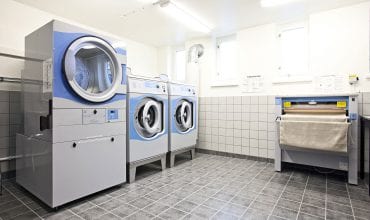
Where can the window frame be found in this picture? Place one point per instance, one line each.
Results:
(175, 73)
(281, 76)
(218, 80)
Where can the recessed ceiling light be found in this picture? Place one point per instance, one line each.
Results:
(184, 16)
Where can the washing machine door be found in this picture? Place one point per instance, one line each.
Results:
(92, 69)
(148, 118)
(184, 115)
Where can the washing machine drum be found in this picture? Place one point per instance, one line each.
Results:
(92, 69)
(148, 118)
(184, 115)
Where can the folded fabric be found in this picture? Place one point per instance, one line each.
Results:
(318, 135)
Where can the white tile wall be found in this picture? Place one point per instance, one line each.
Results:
(239, 125)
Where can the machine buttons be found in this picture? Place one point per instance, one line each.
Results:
(74, 145)
(95, 111)
(112, 139)
(112, 114)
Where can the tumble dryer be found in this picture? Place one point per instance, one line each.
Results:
(147, 123)
(183, 131)
(74, 100)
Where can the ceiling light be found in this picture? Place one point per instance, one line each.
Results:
(273, 3)
(184, 16)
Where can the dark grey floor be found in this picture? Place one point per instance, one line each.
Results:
(209, 187)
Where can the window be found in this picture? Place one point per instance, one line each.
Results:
(294, 51)
(226, 58)
(180, 65)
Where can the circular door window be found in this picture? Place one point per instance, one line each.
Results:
(148, 118)
(184, 115)
(92, 69)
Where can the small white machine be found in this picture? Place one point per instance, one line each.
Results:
(320, 131)
(147, 123)
(74, 114)
(183, 133)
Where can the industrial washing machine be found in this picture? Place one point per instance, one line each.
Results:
(183, 131)
(74, 103)
(147, 141)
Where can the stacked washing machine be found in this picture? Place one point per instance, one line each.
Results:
(147, 123)
(74, 141)
(183, 133)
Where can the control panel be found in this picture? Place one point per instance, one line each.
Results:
(182, 90)
(147, 86)
(99, 116)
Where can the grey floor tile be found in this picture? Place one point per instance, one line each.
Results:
(60, 215)
(80, 206)
(11, 213)
(172, 214)
(241, 201)
(289, 204)
(313, 201)
(140, 215)
(141, 202)
(156, 195)
(204, 212)
(214, 203)
(313, 210)
(186, 206)
(339, 208)
(291, 196)
(124, 210)
(262, 207)
(234, 209)
(331, 215)
(111, 204)
(93, 213)
(27, 216)
(170, 200)
(362, 213)
(360, 204)
(305, 216)
(253, 214)
(285, 213)
(156, 208)
(109, 216)
(224, 216)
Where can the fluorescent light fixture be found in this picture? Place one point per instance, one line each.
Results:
(184, 16)
(273, 3)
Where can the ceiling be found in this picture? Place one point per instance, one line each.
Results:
(139, 20)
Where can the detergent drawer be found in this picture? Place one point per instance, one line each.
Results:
(87, 166)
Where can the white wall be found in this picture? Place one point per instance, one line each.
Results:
(18, 20)
(339, 44)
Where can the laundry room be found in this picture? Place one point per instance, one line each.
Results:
(185, 109)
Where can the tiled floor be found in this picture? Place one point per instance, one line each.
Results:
(209, 187)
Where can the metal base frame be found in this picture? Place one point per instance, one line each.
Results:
(172, 154)
(133, 165)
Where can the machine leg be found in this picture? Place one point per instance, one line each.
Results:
(132, 174)
(1, 181)
(192, 153)
(362, 149)
(163, 162)
(172, 159)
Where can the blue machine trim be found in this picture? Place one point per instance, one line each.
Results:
(317, 99)
(277, 101)
(133, 103)
(174, 102)
(61, 87)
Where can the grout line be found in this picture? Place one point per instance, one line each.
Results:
(326, 195)
(260, 192)
(350, 201)
(304, 192)
(237, 193)
(6, 188)
(277, 201)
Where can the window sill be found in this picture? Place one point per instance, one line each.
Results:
(225, 83)
(292, 79)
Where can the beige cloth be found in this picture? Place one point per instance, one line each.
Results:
(314, 117)
(318, 135)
